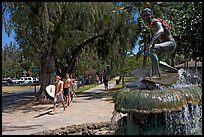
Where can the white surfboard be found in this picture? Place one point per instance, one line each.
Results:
(51, 90)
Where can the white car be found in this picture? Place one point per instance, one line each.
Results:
(35, 80)
(16, 81)
(26, 80)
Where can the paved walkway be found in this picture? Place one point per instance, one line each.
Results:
(89, 107)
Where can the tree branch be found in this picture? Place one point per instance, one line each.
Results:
(57, 28)
(81, 46)
(33, 10)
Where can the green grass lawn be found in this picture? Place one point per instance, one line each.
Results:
(15, 88)
(18, 88)
(116, 88)
(128, 79)
(86, 87)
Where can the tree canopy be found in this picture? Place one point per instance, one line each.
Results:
(55, 34)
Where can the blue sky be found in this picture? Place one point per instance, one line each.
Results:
(5, 38)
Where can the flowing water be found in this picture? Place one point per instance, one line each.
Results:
(185, 122)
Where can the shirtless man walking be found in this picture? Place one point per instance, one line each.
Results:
(67, 83)
(58, 93)
(72, 89)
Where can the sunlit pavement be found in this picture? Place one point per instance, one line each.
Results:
(88, 107)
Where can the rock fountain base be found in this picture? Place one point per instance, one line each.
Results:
(159, 112)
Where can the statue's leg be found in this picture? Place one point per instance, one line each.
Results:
(165, 49)
(155, 62)
(167, 67)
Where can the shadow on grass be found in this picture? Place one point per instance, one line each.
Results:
(115, 89)
(92, 95)
(105, 94)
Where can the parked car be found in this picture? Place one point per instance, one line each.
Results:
(3, 82)
(6, 81)
(35, 80)
(16, 81)
(26, 80)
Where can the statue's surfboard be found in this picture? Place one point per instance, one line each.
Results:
(165, 79)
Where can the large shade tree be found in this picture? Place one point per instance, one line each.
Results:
(56, 33)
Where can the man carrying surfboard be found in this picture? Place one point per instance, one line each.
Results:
(160, 30)
(58, 93)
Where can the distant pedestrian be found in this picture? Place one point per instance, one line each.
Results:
(73, 87)
(90, 77)
(58, 93)
(105, 81)
(97, 79)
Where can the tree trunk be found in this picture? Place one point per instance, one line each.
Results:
(145, 61)
(47, 75)
(145, 56)
(48, 72)
(78, 50)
